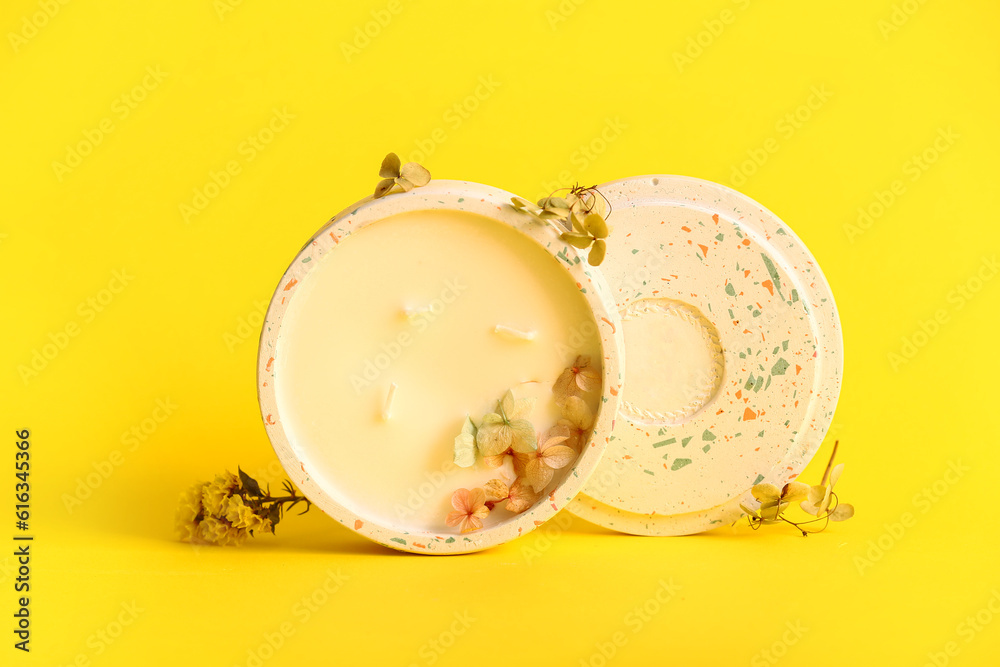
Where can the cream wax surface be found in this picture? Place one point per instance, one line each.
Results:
(414, 300)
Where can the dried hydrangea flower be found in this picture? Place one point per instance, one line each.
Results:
(576, 380)
(774, 501)
(548, 208)
(400, 178)
(589, 232)
(586, 201)
(470, 509)
(499, 459)
(819, 498)
(577, 419)
(465, 445)
(496, 490)
(551, 455)
(581, 218)
(509, 428)
(521, 496)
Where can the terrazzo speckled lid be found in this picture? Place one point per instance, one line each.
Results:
(733, 353)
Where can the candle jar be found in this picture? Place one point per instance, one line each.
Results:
(408, 361)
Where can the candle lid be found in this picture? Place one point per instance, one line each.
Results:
(733, 357)
(483, 201)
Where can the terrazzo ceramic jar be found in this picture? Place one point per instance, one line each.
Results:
(388, 329)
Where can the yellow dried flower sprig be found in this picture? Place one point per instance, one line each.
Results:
(397, 177)
(818, 500)
(232, 508)
(581, 217)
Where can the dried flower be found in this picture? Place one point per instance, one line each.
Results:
(214, 530)
(496, 490)
(508, 435)
(231, 508)
(590, 232)
(581, 217)
(820, 496)
(465, 445)
(539, 466)
(521, 496)
(397, 178)
(774, 501)
(499, 459)
(548, 208)
(241, 515)
(189, 511)
(816, 500)
(577, 419)
(584, 201)
(576, 380)
(470, 509)
(508, 428)
(216, 492)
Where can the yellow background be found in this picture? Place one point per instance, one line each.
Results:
(560, 75)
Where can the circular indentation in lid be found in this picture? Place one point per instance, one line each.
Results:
(722, 255)
(676, 361)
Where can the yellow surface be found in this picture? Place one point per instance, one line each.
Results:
(545, 92)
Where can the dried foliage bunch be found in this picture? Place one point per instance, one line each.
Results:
(231, 508)
(820, 501)
(581, 216)
(508, 436)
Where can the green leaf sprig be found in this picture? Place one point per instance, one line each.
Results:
(581, 216)
(818, 500)
(397, 177)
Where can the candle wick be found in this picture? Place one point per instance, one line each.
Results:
(387, 408)
(514, 333)
(411, 313)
